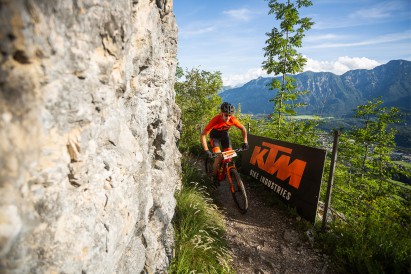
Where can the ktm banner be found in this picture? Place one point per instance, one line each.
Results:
(292, 171)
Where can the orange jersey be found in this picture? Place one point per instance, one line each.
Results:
(218, 123)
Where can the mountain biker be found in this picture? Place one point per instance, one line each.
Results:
(218, 129)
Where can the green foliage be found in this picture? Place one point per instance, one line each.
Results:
(375, 236)
(285, 98)
(297, 132)
(369, 147)
(199, 229)
(196, 95)
(282, 56)
(303, 132)
(294, 131)
(363, 247)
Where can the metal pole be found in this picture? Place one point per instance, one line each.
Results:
(248, 127)
(331, 177)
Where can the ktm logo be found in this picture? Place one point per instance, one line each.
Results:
(281, 165)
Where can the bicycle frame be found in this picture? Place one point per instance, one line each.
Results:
(228, 170)
(226, 165)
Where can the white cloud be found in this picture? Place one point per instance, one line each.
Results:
(374, 13)
(238, 79)
(389, 38)
(365, 17)
(198, 31)
(322, 37)
(341, 65)
(241, 14)
(379, 11)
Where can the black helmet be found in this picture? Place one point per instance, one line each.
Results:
(227, 108)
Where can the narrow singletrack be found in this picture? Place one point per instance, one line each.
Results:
(266, 238)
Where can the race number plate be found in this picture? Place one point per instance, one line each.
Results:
(229, 154)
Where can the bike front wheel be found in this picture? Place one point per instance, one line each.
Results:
(209, 166)
(239, 194)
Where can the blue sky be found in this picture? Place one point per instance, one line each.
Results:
(229, 35)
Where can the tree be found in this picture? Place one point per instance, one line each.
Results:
(374, 140)
(282, 56)
(375, 234)
(196, 95)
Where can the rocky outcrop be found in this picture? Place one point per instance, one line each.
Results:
(88, 157)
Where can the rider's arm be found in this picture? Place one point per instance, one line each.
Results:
(244, 133)
(206, 131)
(242, 128)
(204, 140)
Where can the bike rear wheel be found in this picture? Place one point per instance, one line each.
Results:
(239, 194)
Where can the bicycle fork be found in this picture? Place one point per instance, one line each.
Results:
(230, 181)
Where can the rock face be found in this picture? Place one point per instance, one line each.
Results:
(88, 157)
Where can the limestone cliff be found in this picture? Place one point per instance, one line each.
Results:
(88, 161)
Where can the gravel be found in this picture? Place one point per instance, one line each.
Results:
(266, 239)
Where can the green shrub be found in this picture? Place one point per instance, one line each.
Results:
(199, 229)
(369, 246)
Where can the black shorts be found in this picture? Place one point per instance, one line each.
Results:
(219, 139)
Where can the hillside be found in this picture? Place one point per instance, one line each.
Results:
(330, 94)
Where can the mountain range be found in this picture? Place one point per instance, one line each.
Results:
(331, 94)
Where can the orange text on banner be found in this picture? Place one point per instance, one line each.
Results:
(282, 165)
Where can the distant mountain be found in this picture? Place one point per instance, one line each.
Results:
(224, 88)
(330, 94)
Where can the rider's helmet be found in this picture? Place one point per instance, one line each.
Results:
(227, 108)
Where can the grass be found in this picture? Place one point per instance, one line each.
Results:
(400, 184)
(367, 247)
(405, 164)
(199, 228)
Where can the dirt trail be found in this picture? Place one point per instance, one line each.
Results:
(265, 239)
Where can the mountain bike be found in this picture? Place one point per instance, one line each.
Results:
(227, 170)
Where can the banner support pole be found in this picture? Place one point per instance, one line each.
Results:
(331, 177)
